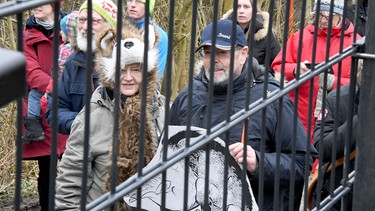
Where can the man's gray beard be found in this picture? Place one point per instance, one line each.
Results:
(82, 42)
(222, 80)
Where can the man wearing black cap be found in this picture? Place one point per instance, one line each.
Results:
(219, 105)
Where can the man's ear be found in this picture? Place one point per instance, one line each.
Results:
(244, 52)
(105, 41)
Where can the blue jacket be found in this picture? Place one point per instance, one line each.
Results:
(162, 46)
(199, 112)
(71, 91)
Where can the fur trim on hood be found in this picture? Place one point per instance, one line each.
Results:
(261, 25)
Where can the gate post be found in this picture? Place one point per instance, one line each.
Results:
(12, 76)
(364, 184)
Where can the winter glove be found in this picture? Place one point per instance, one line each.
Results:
(319, 100)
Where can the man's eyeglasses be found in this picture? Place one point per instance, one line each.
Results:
(82, 20)
(135, 1)
(325, 15)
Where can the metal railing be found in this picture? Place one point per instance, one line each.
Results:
(362, 178)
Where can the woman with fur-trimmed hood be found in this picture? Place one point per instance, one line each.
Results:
(258, 48)
(102, 108)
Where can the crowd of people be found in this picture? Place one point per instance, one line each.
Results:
(254, 52)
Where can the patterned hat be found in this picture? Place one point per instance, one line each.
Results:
(106, 8)
(325, 5)
(68, 23)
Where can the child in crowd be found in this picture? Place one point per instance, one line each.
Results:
(68, 25)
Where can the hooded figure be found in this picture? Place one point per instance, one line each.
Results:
(262, 19)
(102, 108)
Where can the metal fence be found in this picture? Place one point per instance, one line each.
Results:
(195, 144)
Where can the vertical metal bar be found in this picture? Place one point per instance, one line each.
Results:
(116, 111)
(364, 184)
(168, 81)
(142, 129)
(89, 71)
(208, 124)
(55, 69)
(190, 99)
(17, 201)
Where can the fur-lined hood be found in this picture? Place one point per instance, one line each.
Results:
(261, 25)
(131, 47)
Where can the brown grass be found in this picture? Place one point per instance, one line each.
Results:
(8, 159)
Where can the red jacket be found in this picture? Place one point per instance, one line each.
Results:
(306, 54)
(38, 50)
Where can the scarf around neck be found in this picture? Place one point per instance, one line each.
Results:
(46, 25)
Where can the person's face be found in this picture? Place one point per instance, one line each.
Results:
(136, 10)
(98, 25)
(244, 13)
(131, 79)
(222, 63)
(44, 13)
(324, 20)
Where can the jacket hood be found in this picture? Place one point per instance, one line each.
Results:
(261, 24)
(131, 49)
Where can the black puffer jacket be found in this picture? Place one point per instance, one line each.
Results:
(326, 143)
(199, 112)
(258, 49)
(329, 141)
